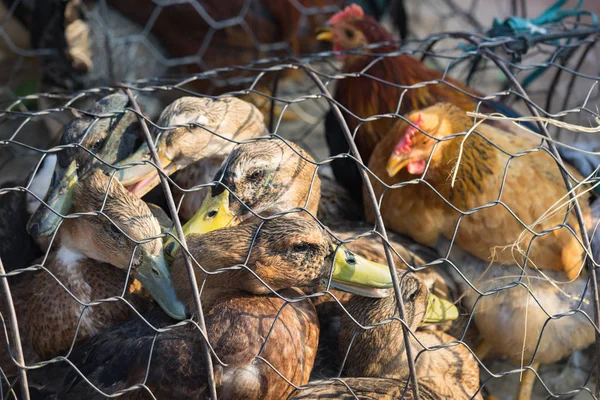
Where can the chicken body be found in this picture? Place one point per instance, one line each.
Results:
(497, 201)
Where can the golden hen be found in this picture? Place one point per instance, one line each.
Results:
(523, 206)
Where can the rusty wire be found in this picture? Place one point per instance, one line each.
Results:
(319, 73)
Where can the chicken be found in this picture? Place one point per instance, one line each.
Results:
(529, 185)
(393, 84)
(518, 191)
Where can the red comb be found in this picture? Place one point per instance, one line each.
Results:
(406, 143)
(352, 12)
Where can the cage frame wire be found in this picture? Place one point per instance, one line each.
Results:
(353, 153)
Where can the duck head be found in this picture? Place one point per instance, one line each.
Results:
(272, 255)
(266, 176)
(188, 130)
(105, 132)
(116, 227)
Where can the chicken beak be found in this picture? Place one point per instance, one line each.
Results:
(153, 274)
(44, 221)
(324, 33)
(355, 274)
(213, 214)
(395, 164)
(439, 310)
(141, 178)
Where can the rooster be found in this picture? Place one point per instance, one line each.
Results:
(380, 89)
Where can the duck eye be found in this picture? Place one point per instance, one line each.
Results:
(413, 296)
(96, 145)
(256, 175)
(114, 229)
(349, 33)
(301, 247)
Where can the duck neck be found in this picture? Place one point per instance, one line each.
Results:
(68, 247)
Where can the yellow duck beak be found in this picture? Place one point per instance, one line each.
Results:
(213, 214)
(396, 163)
(154, 276)
(140, 179)
(324, 33)
(439, 310)
(355, 274)
(59, 198)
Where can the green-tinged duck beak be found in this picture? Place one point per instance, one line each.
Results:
(153, 274)
(396, 163)
(213, 214)
(324, 33)
(44, 221)
(355, 274)
(439, 310)
(142, 178)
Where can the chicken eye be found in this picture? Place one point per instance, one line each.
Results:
(349, 33)
(256, 175)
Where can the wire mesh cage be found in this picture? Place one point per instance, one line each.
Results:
(206, 199)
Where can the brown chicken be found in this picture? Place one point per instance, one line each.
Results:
(529, 185)
(377, 84)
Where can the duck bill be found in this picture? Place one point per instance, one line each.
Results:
(214, 213)
(154, 276)
(142, 178)
(59, 199)
(396, 163)
(324, 34)
(439, 310)
(355, 274)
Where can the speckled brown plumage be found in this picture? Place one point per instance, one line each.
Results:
(452, 372)
(239, 313)
(219, 124)
(269, 176)
(53, 314)
(363, 388)
(91, 261)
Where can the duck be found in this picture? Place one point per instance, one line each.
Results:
(89, 130)
(379, 351)
(194, 135)
(272, 176)
(262, 328)
(98, 256)
(362, 388)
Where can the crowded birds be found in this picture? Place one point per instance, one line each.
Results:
(103, 253)
(194, 134)
(374, 345)
(429, 184)
(377, 84)
(258, 324)
(94, 139)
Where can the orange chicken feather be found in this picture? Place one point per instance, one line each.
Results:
(529, 185)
